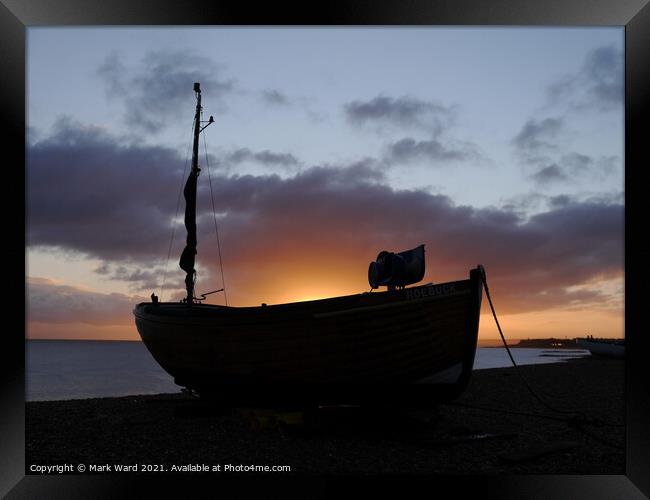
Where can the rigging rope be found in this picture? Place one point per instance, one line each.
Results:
(214, 215)
(173, 222)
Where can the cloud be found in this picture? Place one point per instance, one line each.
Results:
(312, 233)
(538, 137)
(403, 112)
(50, 302)
(529, 203)
(139, 279)
(114, 75)
(579, 164)
(572, 167)
(541, 143)
(397, 114)
(549, 174)
(597, 85)
(537, 145)
(275, 97)
(408, 150)
(264, 157)
(161, 87)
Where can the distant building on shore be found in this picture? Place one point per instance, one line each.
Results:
(547, 343)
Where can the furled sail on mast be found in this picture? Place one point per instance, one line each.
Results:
(189, 252)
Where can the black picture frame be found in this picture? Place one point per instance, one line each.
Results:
(17, 15)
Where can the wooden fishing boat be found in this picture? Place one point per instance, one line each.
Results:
(603, 347)
(412, 346)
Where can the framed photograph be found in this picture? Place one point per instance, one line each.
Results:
(334, 241)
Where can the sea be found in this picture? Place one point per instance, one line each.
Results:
(81, 369)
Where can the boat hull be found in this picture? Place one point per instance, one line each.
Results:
(345, 350)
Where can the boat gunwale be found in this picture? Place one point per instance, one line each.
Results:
(401, 301)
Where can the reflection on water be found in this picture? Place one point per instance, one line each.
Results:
(77, 369)
(495, 357)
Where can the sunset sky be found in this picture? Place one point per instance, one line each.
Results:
(498, 146)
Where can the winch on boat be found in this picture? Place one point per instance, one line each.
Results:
(396, 270)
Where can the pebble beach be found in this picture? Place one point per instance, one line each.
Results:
(495, 427)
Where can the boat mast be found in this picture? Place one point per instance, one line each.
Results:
(189, 252)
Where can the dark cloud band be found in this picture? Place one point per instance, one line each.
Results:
(89, 193)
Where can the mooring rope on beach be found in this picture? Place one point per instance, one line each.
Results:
(571, 422)
(578, 418)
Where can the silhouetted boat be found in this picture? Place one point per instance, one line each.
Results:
(603, 347)
(348, 349)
